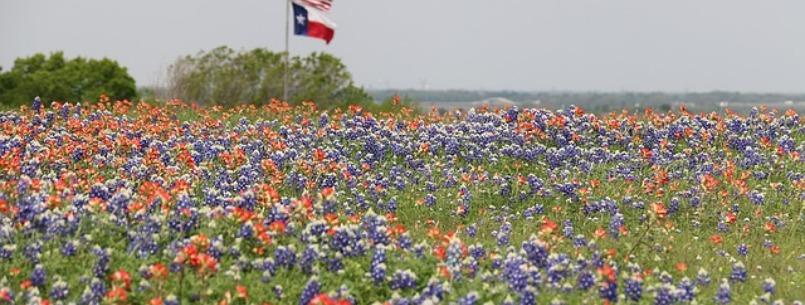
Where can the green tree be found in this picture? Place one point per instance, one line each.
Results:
(55, 78)
(223, 76)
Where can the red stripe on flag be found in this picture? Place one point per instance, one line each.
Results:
(318, 30)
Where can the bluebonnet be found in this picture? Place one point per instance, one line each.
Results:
(310, 291)
(97, 289)
(334, 264)
(308, 257)
(567, 230)
(453, 258)
(743, 250)
(6, 251)
(38, 276)
(686, 290)
(37, 105)
(738, 272)
(278, 291)
(663, 294)
(609, 291)
(503, 234)
(472, 298)
(723, 293)
(402, 279)
(59, 290)
(769, 286)
(514, 272)
(377, 267)
(633, 289)
(477, 251)
(285, 256)
(585, 281)
(528, 296)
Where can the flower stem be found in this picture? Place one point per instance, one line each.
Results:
(639, 240)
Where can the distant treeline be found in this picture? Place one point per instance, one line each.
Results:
(605, 101)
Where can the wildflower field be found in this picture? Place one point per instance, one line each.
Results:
(121, 203)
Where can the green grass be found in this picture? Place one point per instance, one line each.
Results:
(655, 244)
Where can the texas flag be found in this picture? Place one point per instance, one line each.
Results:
(308, 22)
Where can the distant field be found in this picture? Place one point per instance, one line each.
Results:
(742, 107)
(602, 102)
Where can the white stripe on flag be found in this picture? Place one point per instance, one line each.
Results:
(314, 16)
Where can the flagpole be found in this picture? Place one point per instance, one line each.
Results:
(287, 61)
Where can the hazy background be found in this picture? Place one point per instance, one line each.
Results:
(614, 45)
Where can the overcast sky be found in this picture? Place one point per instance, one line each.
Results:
(604, 45)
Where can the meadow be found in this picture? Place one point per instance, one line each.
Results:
(137, 203)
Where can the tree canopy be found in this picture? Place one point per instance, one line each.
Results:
(223, 76)
(55, 78)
